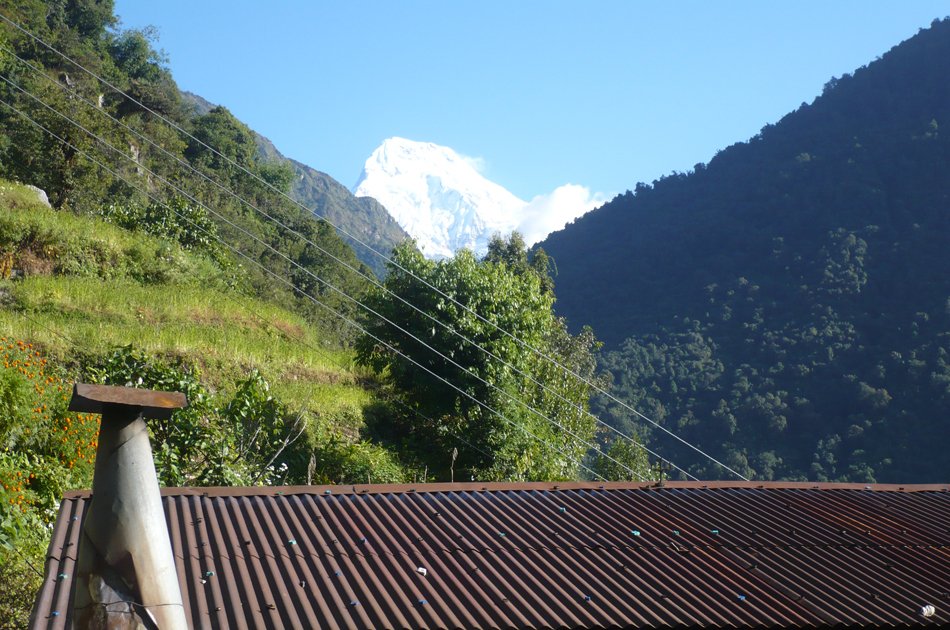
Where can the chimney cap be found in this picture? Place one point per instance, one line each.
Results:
(153, 404)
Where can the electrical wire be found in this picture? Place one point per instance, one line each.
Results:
(369, 277)
(329, 285)
(291, 285)
(389, 260)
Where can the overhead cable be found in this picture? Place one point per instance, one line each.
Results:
(296, 289)
(369, 277)
(267, 184)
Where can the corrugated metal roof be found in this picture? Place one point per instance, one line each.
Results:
(545, 555)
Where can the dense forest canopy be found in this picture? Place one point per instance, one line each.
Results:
(787, 305)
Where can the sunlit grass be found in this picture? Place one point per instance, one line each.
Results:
(80, 287)
(222, 334)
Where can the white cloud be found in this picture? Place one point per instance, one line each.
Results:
(547, 213)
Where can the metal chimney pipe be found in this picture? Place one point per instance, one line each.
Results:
(125, 568)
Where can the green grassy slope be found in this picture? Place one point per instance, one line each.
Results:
(99, 286)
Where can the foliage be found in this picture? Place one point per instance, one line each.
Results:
(338, 459)
(144, 177)
(182, 446)
(187, 224)
(499, 436)
(785, 306)
(35, 240)
(625, 460)
(251, 439)
(44, 451)
(266, 434)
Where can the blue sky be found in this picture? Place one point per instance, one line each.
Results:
(598, 93)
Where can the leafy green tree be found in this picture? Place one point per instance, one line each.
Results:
(231, 139)
(514, 443)
(513, 252)
(624, 460)
(264, 434)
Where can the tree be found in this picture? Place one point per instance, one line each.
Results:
(498, 436)
(625, 460)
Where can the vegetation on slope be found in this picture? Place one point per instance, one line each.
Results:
(786, 305)
(206, 164)
(85, 300)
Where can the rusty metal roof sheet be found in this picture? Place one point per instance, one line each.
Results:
(545, 555)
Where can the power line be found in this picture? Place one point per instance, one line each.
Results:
(348, 266)
(323, 351)
(294, 287)
(313, 275)
(74, 344)
(267, 184)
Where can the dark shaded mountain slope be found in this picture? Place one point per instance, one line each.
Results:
(788, 304)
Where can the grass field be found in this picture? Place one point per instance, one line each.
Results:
(80, 286)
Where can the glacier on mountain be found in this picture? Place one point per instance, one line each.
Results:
(442, 200)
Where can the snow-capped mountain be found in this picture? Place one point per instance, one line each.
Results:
(442, 201)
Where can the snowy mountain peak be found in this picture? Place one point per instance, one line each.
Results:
(442, 201)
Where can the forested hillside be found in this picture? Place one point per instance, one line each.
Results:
(787, 305)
